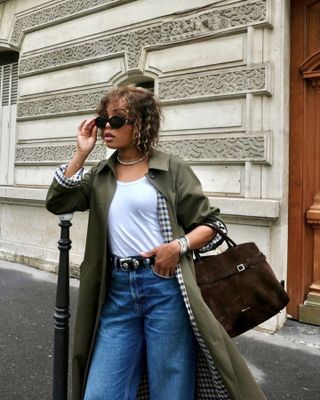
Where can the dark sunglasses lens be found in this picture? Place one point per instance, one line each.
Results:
(101, 122)
(116, 122)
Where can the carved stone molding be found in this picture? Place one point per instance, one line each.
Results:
(227, 149)
(228, 17)
(54, 153)
(55, 13)
(215, 150)
(132, 43)
(84, 101)
(243, 80)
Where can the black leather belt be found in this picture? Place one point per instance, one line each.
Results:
(131, 263)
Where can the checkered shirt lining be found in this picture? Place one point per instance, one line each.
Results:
(72, 182)
(217, 240)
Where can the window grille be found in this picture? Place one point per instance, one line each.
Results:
(14, 83)
(8, 84)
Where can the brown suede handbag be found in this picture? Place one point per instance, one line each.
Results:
(239, 286)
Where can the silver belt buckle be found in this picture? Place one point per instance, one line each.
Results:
(124, 262)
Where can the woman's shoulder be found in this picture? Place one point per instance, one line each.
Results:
(178, 165)
(174, 160)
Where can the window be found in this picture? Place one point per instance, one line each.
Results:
(8, 78)
(8, 112)
(146, 83)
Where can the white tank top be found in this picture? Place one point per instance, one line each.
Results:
(133, 221)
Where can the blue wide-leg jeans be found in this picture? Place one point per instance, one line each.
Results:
(144, 315)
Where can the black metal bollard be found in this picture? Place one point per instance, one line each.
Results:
(62, 315)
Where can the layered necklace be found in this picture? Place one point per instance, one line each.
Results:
(131, 162)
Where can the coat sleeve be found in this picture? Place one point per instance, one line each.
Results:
(193, 207)
(61, 199)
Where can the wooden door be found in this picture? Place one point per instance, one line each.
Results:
(304, 153)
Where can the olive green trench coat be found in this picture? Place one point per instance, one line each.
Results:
(187, 207)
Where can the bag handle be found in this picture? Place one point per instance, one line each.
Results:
(213, 225)
(228, 240)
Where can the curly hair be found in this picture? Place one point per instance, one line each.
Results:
(142, 106)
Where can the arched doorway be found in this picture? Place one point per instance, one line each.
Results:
(304, 166)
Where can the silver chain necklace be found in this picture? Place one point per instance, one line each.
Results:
(131, 162)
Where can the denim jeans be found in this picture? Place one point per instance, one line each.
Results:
(144, 317)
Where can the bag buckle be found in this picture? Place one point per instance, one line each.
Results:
(241, 267)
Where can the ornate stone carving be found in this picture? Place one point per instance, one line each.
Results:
(227, 149)
(59, 104)
(57, 12)
(134, 42)
(214, 83)
(36, 154)
(225, 18)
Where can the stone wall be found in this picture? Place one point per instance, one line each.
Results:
(220, 69)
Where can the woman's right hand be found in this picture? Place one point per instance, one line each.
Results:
(86, 139)
(86, 136)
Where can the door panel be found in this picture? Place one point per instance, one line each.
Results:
(304, 148)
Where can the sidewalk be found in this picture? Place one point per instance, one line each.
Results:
(286, 364)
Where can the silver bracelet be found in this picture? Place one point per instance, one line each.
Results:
(184, 244)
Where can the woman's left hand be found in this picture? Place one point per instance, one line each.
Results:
(166, 258)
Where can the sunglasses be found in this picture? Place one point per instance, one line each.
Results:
(115, 122)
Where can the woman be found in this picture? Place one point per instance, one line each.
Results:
(142, 328)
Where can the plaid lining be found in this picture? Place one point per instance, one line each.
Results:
(217, 240)
(72, 182)
(209, 384)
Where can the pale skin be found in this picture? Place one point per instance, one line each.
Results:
(166, 255)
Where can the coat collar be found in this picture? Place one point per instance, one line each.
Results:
(158, 160)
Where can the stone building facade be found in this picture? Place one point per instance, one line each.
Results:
(221, 71)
